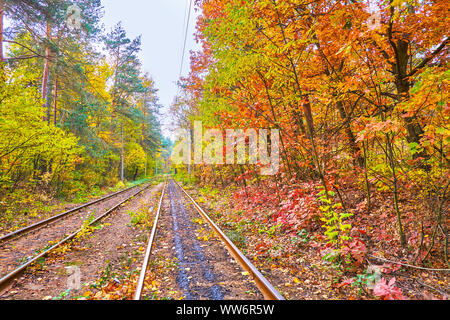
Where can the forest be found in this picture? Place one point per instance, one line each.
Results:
(358, 206)
(359, 93)
(78, 112)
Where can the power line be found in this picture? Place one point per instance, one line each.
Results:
(185, 15)
(185, 37)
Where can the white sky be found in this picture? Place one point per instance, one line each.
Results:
(160, 23)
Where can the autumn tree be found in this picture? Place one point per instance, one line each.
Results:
(356, 88)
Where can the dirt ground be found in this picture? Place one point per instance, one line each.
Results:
(114, 243)
(16, 251)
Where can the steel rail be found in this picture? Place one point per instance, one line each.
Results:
(140, 284)
(42, 223)
(7, 279)
(269, 292)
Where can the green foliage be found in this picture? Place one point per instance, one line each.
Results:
(336, 230)
(237, 237)
(208, 190)
(62, 296)
(135, 161)
(119, 185)
(185, 178)
(66, 142)
(138, 218)
(271, 231)
(29, 148)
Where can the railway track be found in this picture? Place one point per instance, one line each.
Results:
(57, 217)
(205, 272)
(140, 284)
(64, 232)
(214, 270)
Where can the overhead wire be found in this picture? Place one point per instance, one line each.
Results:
(185, 37)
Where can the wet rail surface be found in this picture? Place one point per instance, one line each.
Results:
(190, 255)
(206, 270)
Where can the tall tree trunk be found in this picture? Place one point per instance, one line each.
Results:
(351, 137)
(308, 116)
(310, 126)
(121, 153)
(413, 128)
(55, 100)
(48, 98)
(390, 155)
(2, 12)
(403, 83)
(46, 73)
(143, 121)
(366, 176)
